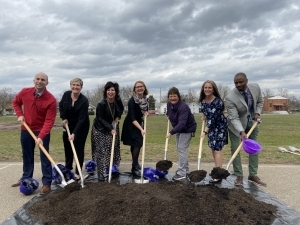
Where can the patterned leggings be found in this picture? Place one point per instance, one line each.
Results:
(101, 149)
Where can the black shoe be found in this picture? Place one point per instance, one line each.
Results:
(136, 171)
(139, 166)
(101, 177)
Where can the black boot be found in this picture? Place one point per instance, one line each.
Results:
(136, 171)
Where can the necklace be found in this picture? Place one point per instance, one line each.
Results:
(112, 113)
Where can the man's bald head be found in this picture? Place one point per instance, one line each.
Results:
(42, 74)
(40, 82)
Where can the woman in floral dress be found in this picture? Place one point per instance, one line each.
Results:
(216, 129)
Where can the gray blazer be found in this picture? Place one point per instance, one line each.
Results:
(237, 108)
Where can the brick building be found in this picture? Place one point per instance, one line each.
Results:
(276, 104)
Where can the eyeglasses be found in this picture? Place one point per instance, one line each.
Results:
(139, 87)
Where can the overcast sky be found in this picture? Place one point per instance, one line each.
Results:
(165, 43)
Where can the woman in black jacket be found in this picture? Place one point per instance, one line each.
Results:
(73, 109)
(133, 129)
(106, 123)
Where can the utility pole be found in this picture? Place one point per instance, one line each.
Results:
(159, 100)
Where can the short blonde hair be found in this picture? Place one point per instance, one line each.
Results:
(77, 80)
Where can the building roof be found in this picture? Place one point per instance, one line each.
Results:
(277, 97)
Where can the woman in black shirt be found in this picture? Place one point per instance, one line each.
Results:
(73, 109)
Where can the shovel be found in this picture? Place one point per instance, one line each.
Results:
(142, 180)
(75, 156)
(112, 154)
(164, 165)
(200, 146)
(241, 144)
(293, 149)
(281, 149)
(63, 181)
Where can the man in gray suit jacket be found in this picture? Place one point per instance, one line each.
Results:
(244, 104)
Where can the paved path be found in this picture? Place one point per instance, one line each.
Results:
(282, 180)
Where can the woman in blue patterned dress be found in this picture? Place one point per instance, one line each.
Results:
(216, 129)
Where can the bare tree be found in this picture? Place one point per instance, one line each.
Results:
(191, 96)
(223, 90)
(6, 96)
(283, 92)
(126, 93)
(95, 95)
(267, 93)
(294, 102)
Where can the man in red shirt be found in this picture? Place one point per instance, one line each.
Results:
(37, 107)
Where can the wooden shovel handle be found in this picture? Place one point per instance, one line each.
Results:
(167, 140)
(73, 148)
(75, 154)
(63, 182)
(40, 145)
(143, 150)
(111, 157)
(201, 140)
(240, 146)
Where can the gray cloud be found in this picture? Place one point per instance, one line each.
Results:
(165, 43)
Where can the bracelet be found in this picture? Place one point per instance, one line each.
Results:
(204, 132)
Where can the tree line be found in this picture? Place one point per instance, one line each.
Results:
(94, 96)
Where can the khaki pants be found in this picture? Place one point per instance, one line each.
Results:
(253, 159)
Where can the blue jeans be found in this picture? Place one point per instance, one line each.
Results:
(28, 146)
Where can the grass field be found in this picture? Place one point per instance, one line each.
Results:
(275, 131)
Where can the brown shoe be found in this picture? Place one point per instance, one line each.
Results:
(238, 181)
(16, 184)
(45, 190)
(256, 180)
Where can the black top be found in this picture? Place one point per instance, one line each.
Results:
(131, 135)
(77, 115)
(106, 113)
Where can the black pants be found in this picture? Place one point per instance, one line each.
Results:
(79, 144)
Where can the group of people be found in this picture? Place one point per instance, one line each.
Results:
(37, 108)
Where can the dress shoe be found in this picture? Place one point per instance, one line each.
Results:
(45, 190)
(16, 184)
(136, 171)
(256, 180)
(238, 181)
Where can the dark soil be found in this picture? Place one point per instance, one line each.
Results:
(219, 173)
(153, 203)
(164, 165)
(197, 176)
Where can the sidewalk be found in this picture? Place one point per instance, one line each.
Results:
(281, 179)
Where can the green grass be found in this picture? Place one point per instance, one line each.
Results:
(275, 131)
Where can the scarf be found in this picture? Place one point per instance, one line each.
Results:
(142, 102)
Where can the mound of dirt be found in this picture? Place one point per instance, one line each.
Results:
(153, 203)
